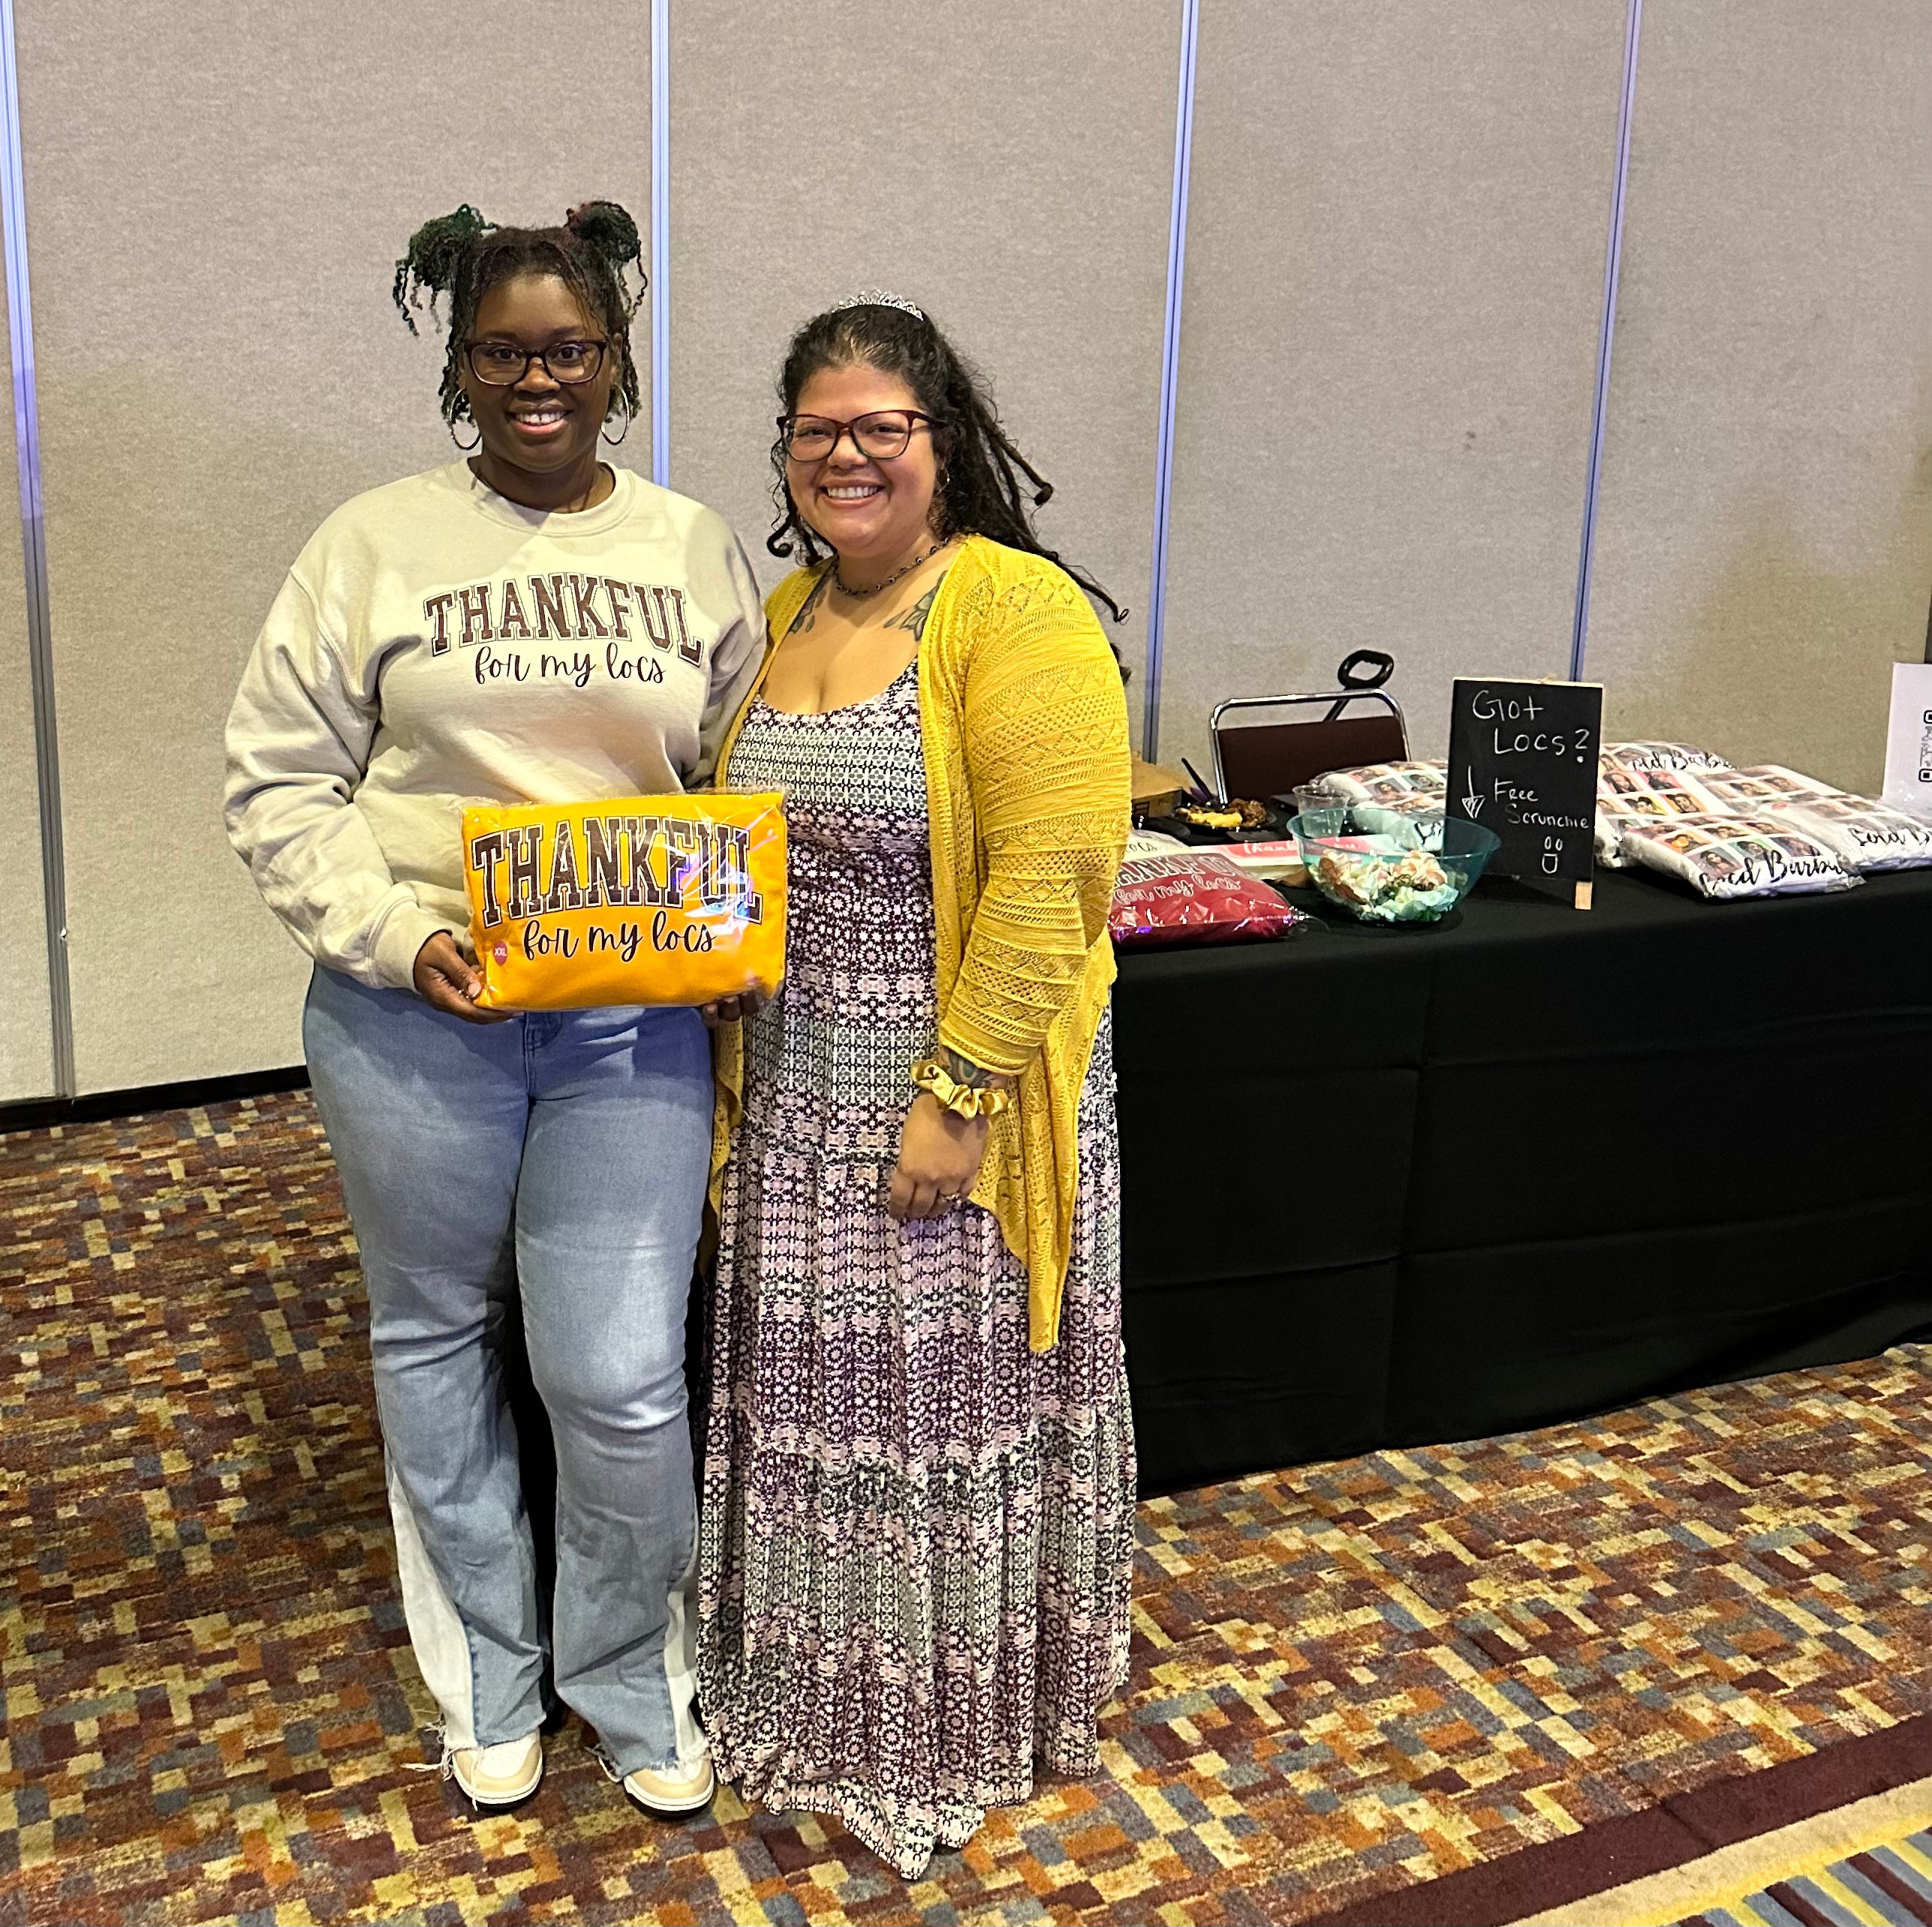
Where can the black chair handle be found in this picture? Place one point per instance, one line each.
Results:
(1379, 665)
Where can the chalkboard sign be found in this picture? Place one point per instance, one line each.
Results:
(1523, 763)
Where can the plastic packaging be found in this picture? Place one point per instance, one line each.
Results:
(1723, 857)
(1194, 896)
(1626, 796)
(1658, 790)
(1864, 835)
(677, 899)
(1391, 784)
(1763, 783)
(1660, 756)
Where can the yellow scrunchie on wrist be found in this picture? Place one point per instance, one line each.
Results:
(965, 1101)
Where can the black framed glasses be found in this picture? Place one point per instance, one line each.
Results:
(503, 364)
(878, 436)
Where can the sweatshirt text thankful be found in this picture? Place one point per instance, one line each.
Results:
(436, 645)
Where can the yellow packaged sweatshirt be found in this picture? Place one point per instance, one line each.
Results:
(1024, 722)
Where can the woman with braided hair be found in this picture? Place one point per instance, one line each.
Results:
(916, 1520)
(526, 625)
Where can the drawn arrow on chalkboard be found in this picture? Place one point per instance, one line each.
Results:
(1474, 806)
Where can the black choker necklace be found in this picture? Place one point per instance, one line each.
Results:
(844, 588)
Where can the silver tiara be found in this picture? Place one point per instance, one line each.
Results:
(877, 297)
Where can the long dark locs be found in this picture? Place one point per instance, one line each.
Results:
(462, 256)
(986, 486)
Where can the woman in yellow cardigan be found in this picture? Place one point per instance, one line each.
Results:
(917, 1509)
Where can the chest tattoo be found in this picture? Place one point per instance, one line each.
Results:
(808, 610)
(914, 620)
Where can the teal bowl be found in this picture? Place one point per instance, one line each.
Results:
(1382, 866)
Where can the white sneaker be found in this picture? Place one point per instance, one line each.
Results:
(503, 1775)
(671, 1794)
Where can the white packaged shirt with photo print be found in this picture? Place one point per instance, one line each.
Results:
(1724, 857)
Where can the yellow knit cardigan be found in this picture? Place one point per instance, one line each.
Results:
(1025, 723)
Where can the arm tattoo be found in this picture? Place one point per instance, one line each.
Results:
(913, 621)
(963, 1071)
(808, 610)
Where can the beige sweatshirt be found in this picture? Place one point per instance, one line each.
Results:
(436, 644)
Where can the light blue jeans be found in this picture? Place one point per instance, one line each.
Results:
(565, 1153)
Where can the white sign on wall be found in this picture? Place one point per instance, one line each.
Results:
(1908, 749)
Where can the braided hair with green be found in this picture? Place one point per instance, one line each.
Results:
(462, 256)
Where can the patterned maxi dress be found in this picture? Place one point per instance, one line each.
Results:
(916, 1535)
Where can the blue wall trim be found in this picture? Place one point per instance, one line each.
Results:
(1170, 375)
(1613, 262)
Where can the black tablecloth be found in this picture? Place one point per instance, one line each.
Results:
(1394, 1186)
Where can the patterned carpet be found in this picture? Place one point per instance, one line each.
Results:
(1349, 1678)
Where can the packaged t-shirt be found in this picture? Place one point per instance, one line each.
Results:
(1194, 896)
(1725, 856)
(1391, 784)
(1762, 783)
(1629, 796)
(1660, 756)
(1865, 834)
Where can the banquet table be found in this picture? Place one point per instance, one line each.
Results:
(1391, 1187)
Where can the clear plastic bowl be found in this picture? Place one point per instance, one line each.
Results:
(1384, 867)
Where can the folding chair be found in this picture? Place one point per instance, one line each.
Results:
(1259, 759)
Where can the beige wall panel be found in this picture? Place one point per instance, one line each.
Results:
(26, 1036)
(1398, 223)
(1764, 533)
(1008, 167)
(215, 200)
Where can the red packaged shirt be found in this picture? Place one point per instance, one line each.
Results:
(1194, 896)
